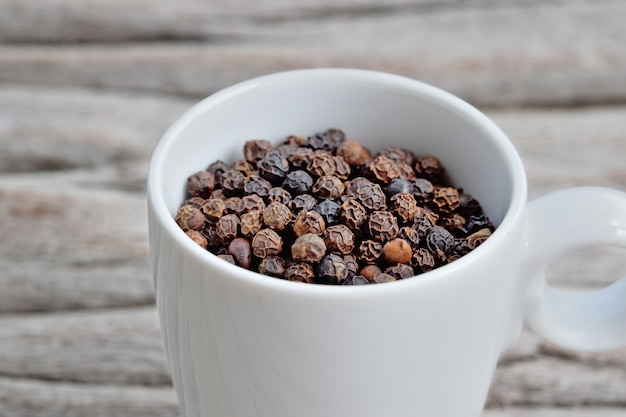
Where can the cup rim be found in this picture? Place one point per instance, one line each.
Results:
(157, 207)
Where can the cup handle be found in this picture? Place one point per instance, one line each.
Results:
(591, 320)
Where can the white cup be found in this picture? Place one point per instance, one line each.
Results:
(241, 344)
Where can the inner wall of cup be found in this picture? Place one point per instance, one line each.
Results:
(378, 114)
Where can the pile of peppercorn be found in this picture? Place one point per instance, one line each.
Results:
(324, 210)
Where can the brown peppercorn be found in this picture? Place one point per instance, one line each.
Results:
(300, 158)
(328, 140)
(308, 248)
(370, 250)
(217, 168)
(382, 226)
(422, 260)
(383, 277)
(232, 182)
(446, 199)
(332, 269)
(189, 218)
(249, 203)
(370, 271)
(328, 186)
(410, 235)
(232, 204)
(430, 168)
(352, 264)
(267, 243)
(244, 167)
(339, 238)
(353, 214)
(302, 202)
(273, 266)
(397, 251)
(476, 239)
(404, 206)
(278, 195)
(213, 208)
(196, 202)
(277, 216)
(309, 222)
(254, 184)
(227, 258)
(454, 223)
(371, 196)
(209, 231)
(383, 169)
(321, 164)
(239, 248)
(201, 184)
(300, 272)
(227, 228)
(398, 155)
(197, 238)
(251, 223)
(355, 184)
(400, 271)
(255, 150)
(354, 153)
(355, 280)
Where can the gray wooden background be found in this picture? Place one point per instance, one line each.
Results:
(88, 87)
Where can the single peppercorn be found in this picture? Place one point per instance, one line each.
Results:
(201, 184)
(429, 167)
(309, 222)
(277, 216)
(476, 223)
(322, 164)
(197, 238)
(232, 205)
(278, 195)
(354, 153)
(273, 167)
(477, 238)
(410, 235)
(266, 243)
(330, 211)
(213, 208)
(383, 277)
(255, 150)
(398, 155)
(300, 158)
(300, 272)
(369, 251)
(217, 168)
(240, 250)
(423, 191)
(254, 184)
(400, 271)
(352, 263)
(233, 182)
(328, 140)
(404, 207)
(251, 222)
(298, 182)
(371, 196)
(382, 226)
(447, 199)
(355, 280)
(328, 186)
(422, 260)
(227, 258)
(189, 218)
(383, 169)
(353, 214)
(227, 228)
(244, 167)
(397, 251)
(249, 203)
(308, 248)
(273, 266)
(370, 271)
(440, 242)
(332, 269)
(339, 238)
(399, 185)
(302, 202)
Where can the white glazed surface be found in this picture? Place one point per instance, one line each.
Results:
(245, 345)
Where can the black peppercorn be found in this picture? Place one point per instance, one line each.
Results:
(227, 227)
(276, 216)
(266, 243)
(255, 150)
(328, 186)
(330, 211)
(298, 182)
(301, 272)
(309, 222)
(302, 202)
(339, 238)
(189, 218)
(201, 184)
(308, 248)
(273, 167)
(332, 269)
(254, 184)
(274, 266)
(382, 226)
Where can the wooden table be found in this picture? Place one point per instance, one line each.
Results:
(87, 90)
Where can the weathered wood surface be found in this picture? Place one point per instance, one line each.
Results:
(87, 89)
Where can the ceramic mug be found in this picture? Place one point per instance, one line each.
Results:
(241, 344)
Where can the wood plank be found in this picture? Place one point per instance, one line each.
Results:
(27, 398)
(119, 347)
(124, 347)
(543, 54)
(72, 240)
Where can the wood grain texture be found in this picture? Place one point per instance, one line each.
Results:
(516, 53)
(88, 88)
